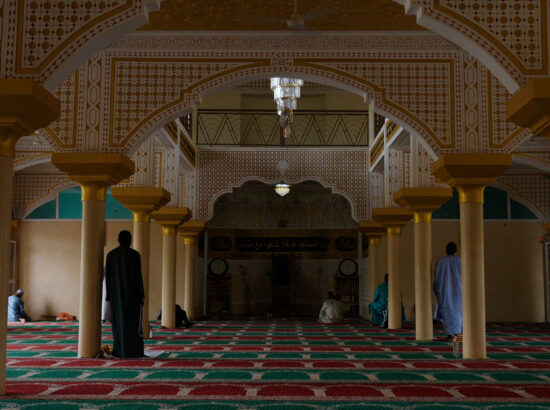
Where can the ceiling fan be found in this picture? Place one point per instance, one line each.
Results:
(297, 21)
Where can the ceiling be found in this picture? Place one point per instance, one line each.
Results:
(271, 15)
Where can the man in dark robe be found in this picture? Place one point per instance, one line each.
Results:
(125, 294)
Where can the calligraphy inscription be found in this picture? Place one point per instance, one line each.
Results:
(345, 243)
(220, 243)
(283, 244)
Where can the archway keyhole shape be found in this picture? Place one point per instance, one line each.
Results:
(254, 204)
(226, 81)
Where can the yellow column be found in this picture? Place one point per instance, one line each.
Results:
(530, 107)
(95, 172)
(374, 231)
(189, 231)
(422, 202)
(393, 219)
(469, 174)
(142, 201)
(169, 218)
(25, 106)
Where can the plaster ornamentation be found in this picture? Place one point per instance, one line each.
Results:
(34, 190)
(221, 170)
(48, 39)
(533, 190)
(510, 37)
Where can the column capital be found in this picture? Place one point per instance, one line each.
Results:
(25, 106)
(422, 201)
(371, 229)
(191, 229)
(141, 200)
(94, 171)
(170, 217)
(470, 173)
(15, 224)
(392, 218)
(530, 107)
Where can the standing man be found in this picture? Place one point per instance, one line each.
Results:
(125, 294)
(16, 308)
(448, 290)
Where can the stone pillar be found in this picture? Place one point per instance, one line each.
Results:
(25, 106)
(393, 219)
(530, 107)
(169, 218)
(95, 172)
(469, 174)
(189, 231)
(142, 201)
(422, 202)
(374, 231)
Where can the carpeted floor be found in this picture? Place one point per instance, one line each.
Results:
(279, 364)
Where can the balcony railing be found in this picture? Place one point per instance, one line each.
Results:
(261, 128)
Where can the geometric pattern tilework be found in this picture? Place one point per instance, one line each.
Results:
(91, 110)
(32, 190)
(44, 34)
(254, 205)
(424, 165)
(426, 89)
(515, 25)
(395, 175)
(49, 23)
(534, 189)
(475, 105)
(139, 88)
(376, 190)
(514, 33)
(187, 194)
(344, 171)
(441, 93)
(64, 130)
(501, 132)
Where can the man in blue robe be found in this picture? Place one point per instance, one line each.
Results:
(16, 308)
(379, 303)
(448, 290)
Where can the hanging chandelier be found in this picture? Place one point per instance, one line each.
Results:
(286, 92)
(282, 189)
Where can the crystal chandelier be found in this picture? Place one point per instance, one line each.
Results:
(286, 92)
(282, 189)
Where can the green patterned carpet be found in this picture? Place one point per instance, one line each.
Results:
(279, 364)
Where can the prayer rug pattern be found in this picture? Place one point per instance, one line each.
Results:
(278, 364)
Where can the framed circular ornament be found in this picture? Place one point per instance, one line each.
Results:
(217, 266)
(347, 267)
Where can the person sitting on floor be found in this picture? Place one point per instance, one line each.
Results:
(16, 310)
(332, 310)
(181, 317)
(379, 305)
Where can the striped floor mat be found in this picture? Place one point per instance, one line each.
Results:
(278, 364)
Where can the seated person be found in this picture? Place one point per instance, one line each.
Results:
(181, 317)
(16, 311)
(332, 310)
(379, 305)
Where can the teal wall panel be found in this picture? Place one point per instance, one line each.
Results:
(449, 210)
(70, 203)
(519, 211)
(114, 209)
(496, 203)
(44, 211)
